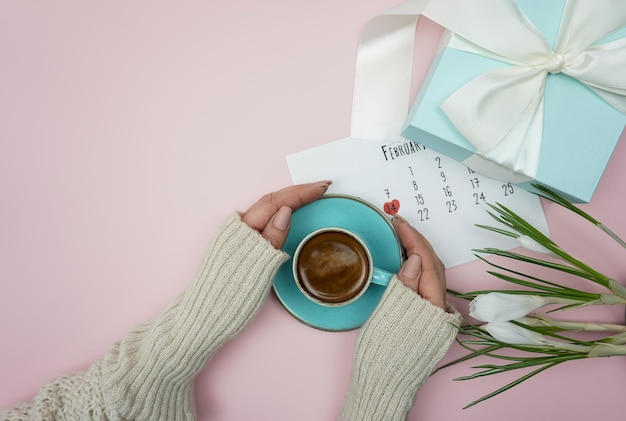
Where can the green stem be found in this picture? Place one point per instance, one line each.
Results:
(560, 200)
(617, 288)
(606, 350)
(619, 339)
(611, 234)
(540, 320)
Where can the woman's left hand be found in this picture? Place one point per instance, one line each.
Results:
(271, 214)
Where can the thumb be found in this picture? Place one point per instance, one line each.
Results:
(277, 228)
(411, 271)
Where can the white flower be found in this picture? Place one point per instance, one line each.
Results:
(500, 307)
(532, 245)
(515, 335)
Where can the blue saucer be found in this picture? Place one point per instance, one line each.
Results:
(367, 222)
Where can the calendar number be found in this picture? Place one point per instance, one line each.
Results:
(479, 197)
(508, 189)
(392, 208)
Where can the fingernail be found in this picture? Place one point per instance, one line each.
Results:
(398, 218)
(281, 219)
(323, 184)
(412, 267)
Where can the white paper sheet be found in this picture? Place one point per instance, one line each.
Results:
(439, 196)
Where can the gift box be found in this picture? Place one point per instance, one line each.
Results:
(566, 142)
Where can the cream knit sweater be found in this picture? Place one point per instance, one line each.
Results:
(150, 374)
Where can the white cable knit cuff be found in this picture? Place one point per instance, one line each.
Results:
(396, 350)
(149, 375)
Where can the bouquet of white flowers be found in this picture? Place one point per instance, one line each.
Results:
(512, 333)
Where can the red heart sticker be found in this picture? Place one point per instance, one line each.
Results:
(392, 208)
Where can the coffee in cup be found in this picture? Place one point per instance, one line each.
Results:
(333, 266)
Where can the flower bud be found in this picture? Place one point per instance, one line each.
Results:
(529, 244)
(513, 334)
(500, 307)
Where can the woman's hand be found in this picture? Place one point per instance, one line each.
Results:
(423, 272)
(271, 214)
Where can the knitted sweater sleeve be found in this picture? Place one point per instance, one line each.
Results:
(396, 351)
(149, 375)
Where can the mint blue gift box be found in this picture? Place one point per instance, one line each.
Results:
(580, 129)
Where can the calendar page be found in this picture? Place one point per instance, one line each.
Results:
(441, 197)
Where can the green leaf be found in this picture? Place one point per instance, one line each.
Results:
(587, 273)
(560, 200)
(498, 230)
(510, 385)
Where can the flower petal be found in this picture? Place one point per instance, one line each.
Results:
(499, 307)
(529, 244)
(513, 334)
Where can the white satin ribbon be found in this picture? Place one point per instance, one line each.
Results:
(501, 111)
(384, 62)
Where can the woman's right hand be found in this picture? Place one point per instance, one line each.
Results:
(423, 271)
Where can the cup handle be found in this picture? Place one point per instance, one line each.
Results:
(381, 277)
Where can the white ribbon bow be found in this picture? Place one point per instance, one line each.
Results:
(501, 111)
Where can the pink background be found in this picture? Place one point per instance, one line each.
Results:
(129, 131)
